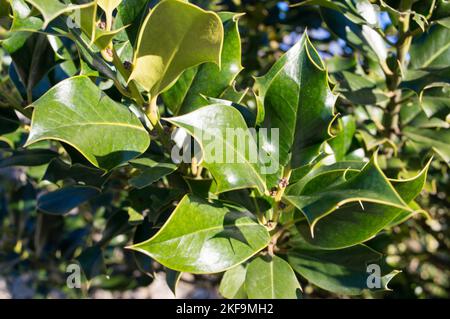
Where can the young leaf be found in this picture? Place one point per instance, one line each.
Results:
(176, 35)
(211, 126)
(208, 79)
(271, 278)
(78, 113)
(108, 5)
(202, 237)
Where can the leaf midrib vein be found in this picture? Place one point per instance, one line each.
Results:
(208, 229)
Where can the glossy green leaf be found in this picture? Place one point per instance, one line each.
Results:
(208, 79)
(356, 223)
(338, 63)
(358, 89)
(151, 171)
(297, 101)
(435, 100)
(202, 237)
(271, 278)
(65, 199)
(432, 49)
(341, 271)
(154, 199)
(322, 173)
(34, 60)
(232, 285)
(76, 112)
(370, 185)
(209, 126)
(175, 36)
(354, 22)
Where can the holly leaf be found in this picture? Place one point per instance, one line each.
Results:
(176, 35)
(271, 278)
(369, 185)
(356, 223)
(437, 140)
(51, 9)
(208, 79)
(297, 101)
(202, 237)
(343, 271)
(232, 165)
(28, 157)
(151, 171)
(432, 49)
(232, 285)
(65, 199)
(78, 113)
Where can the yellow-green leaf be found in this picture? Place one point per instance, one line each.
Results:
(175, 36)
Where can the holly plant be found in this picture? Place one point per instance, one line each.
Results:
(131, 135)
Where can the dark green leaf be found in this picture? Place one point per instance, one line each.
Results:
(30, 157)
(59, 170)
(65, 199)
(91, 261)
(297, 101)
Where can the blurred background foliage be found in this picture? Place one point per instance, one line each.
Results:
(35, 248)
